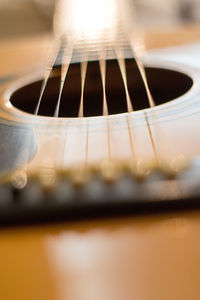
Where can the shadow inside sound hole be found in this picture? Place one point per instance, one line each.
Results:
(164, 84)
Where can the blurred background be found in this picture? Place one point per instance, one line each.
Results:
(26, 27)
(30, 17)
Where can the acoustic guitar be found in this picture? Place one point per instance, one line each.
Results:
(103, 169)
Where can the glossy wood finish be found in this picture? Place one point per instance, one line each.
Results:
(149, 257)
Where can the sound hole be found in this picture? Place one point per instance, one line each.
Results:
(165, 85)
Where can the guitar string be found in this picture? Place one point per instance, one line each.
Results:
(105, 112)
(122, 67)
(137, 55)
(130, 138)
(137, 48)
(121, 62)
(103, 71)
(151, 138)
(66, 60)
(102, 65)
(84, 65)
(52, 56)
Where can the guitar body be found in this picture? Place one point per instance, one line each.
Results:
(147, 256)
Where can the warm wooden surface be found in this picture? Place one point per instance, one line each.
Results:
(144, 258)
(179, 35)
(22, 55)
